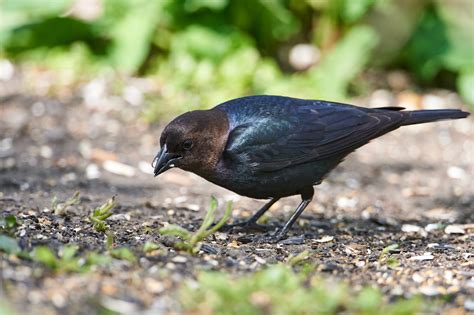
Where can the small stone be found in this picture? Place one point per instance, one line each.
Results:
(429, 290)
(360, 263)
(118, 168)
(454, 229)
(260, 260)
(170, 266)
(179, 259)
(221, 236)
(325, 239)
(409, 228)
(92, 171)
(425, 256)
(154, 286)
(295, 240)
(417, 278)
(469, 305)
(193, 207)
(456, 172)
(433, 227)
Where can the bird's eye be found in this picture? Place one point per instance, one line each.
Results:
(187, 145)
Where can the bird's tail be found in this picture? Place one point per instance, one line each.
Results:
(424, 116)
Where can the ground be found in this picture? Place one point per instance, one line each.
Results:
(412, 188)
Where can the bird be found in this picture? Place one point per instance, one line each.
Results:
(271, 147)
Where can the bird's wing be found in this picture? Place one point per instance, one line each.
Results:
(299, 134)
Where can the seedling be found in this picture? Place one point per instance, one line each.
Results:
(8, 224)
(279, 290)
(68, 260)
(298, 259)
(9, 245)
(123, 253)
(100, 214)
(192, 241)
(60, 208)
(150, 248)
(391, 262)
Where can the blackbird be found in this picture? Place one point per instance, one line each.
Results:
(270, 147)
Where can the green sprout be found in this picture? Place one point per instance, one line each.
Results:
(294, 260)
(68, 259)
(100, 214)
(60, 208)
(391, 262)
(151, 247)
(192, 241)
(8, 224)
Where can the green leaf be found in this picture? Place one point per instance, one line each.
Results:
(465, 83)
(8, 224)
(369, 300)
(45, 256)
(133, 33)
(37, 7)
(352, 11)
(123, 253)
(94, 259)
(333, 75)
(389, 248)
(9, 245)
(176, 230)
(149, 247)
(428, 46)
(36, 35)
(195, 5)
(68, 252)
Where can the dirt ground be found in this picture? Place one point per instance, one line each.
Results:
(405, 188)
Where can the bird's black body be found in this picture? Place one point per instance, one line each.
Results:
(279, 145)
(274, 146)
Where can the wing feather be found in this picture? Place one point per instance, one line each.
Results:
(308, 132)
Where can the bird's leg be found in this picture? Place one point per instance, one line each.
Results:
(306, 196)
(251, 223)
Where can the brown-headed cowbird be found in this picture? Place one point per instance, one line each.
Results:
(269, 147)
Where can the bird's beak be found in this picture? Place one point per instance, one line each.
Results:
(164, 160)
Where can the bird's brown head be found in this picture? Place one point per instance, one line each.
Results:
(193, 141)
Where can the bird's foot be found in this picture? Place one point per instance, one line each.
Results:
(245, 226)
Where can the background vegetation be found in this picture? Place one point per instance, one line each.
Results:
(202, 52)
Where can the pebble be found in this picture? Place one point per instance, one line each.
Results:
(440, 246)
(454, 229)
(260, 260)
(294, 240)
(92, 171)
(429, 290)
(410, 228)
(118, 168)
(455, 172)
(469, 305)
(360, 263)
(325, 239)
(425, 256)
(433, 227)
(179, 259)
(154, 286)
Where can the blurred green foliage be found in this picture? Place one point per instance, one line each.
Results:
(279, 290)
(203, 52)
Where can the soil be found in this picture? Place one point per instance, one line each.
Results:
(404, 188)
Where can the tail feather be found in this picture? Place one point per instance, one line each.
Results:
(424, 116)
